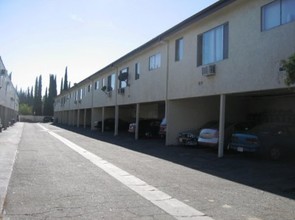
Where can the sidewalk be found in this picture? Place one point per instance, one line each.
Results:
(9, 141)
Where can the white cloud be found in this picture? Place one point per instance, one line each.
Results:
(75, 17)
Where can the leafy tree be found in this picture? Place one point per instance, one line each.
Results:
(46, 105)
(32, 101)
(37, 107)
(289, 66)
(25, 109)
(52, 93)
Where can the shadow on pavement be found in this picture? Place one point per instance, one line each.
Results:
(276, 177)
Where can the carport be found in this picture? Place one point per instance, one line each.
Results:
(262, 106)
(153, 110)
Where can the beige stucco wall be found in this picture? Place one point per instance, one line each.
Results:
(254, 55)
(252, 65)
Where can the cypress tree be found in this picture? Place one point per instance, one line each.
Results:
(66, 79)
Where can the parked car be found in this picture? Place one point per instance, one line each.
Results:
(109, 124)
(269, 139)
(48, 119)
(1, 126)
(163, 126)
(147, 127)
(190, 137)
(209, 134)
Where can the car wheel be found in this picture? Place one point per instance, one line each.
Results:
(275, 153)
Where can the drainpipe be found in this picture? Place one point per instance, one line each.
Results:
(221, 125)
(167, 90)
(92, 110)
(116, 104)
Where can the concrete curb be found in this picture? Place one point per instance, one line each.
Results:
(9, 141)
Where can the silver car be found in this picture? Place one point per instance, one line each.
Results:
(209, 135)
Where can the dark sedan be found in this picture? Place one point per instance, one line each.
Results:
(147, 127)
(269, 139)
(109, 125)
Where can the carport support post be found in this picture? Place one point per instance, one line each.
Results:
(116, 119)
(137, 121)
(102, 119)
(78, 118)
(85, 111)
(221, 125)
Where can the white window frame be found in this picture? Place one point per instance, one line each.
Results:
(179, 49)
(96, 85)
(213, 45)
(155, 61)
(137, 70)
(123, 84)
(277, 13)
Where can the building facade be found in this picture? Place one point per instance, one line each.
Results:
(9, 102)
(222, 63)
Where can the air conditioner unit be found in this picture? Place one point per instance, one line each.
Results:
(121, 90)
(209, 70)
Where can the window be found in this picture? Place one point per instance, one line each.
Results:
(80, 94)
(155, 62)
(179, 49)
(96, 85)
(89, 87)
(111, 82)
(75, 94)
(123, 78)
(137, 70)
(277, 13)
(213, 45)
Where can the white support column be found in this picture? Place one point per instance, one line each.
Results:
(221, 125)
(167, 119)
(102, 119)
(78, 118)
(84, 119)
(137, 121)
(116, 120)
(92, 117)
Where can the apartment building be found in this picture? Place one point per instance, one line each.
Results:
(9, 103)
(222, 63)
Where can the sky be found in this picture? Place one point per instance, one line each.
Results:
(43, 37)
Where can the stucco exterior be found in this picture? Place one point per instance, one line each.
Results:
(9, 103)
(252, 65)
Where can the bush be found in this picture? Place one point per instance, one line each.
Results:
(25, 109)
(289, 66)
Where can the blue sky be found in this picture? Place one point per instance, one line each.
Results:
(42, 37)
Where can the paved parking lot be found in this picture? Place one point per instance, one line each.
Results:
(277, 177)
(237, 186)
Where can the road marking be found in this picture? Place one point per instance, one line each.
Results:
(172, 206)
